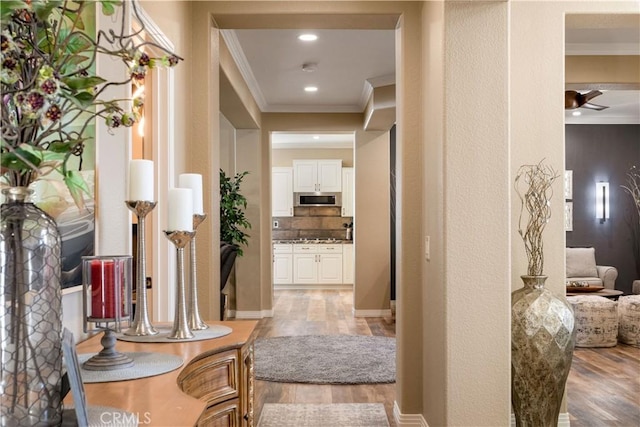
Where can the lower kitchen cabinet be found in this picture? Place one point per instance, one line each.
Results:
(317, 264)
(282, 264)
(347, 264)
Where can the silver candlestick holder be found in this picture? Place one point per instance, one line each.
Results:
(193, 316)
(141, 325)
(180, 330)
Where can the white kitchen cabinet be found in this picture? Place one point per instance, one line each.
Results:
(347, 264)
(317, 175)
(281, 191)
(348, 191)
(282, 264)
(317, 264)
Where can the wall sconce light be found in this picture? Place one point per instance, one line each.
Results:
(602, 201)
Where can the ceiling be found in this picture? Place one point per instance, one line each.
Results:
(608, 35)
(346, 65)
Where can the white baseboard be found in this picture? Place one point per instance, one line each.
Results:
(563, 420)
(260, 314)
(372, 313)
(408, 420)
(295, 287)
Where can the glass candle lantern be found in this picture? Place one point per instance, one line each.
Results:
(106, 287)
(106, 282)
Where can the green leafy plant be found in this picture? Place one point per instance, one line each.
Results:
(232, 206)
(50, 90)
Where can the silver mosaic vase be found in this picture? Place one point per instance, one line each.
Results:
(30, 317)
(542, 341)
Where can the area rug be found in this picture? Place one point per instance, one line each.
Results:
(326, 359)
(323, 415)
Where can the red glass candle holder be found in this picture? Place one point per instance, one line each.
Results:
(106, 287)
(106, 282)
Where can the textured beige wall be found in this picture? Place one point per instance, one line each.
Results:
(435, 332)
(409, 206)
(227, 146)
(476, 212)
(249, 158)
(285, 157)
(371, 233)
(203, 143)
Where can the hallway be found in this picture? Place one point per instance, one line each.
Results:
(318, 312)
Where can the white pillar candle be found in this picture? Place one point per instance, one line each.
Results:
(141, 180)
(194, 182)
(180, 201)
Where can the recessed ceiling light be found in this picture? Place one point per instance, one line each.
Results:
(316, 137)
(308, 37)
(310, 89)
(576, 113)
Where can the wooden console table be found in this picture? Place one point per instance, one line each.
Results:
(214, 387)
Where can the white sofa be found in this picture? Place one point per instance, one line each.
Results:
(581, 267)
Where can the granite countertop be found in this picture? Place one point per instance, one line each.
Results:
(313, 241)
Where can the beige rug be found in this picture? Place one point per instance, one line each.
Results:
(323, 415)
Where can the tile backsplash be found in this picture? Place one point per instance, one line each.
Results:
(311, 222)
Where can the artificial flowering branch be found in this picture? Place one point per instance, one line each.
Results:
(50, 91)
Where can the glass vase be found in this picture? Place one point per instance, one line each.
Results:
(542, 342)
(30, 322)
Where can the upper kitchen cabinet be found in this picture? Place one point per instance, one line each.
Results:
(281, 191)
(317, 175)
(348, 187)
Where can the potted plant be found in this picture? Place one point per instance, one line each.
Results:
(233, 224)
(633, 189)
(542, 324)
(51, 94)
(233, 221)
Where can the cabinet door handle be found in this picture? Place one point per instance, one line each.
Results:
(291, 211)
(246, 417)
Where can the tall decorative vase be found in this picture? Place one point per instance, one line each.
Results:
(542, 342)
(30, 322)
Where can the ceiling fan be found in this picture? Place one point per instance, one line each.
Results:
(574, 99)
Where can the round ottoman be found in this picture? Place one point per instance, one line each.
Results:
(596, 321)
(629, 320)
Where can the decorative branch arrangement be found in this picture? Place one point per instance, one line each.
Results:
(533, 184)
(50, 91)
(633, 188)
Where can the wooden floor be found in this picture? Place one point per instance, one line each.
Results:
(321, 312)
(603, 386)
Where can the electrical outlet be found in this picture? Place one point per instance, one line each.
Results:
(275, 224)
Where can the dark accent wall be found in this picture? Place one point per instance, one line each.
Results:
(604, 153)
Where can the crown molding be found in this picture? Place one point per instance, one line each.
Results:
(371, 84)
(578, 49)
(233, 44)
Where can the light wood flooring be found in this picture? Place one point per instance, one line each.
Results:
(603, 386)
(321, 312)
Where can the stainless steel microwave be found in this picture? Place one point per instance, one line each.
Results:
(317, 199)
